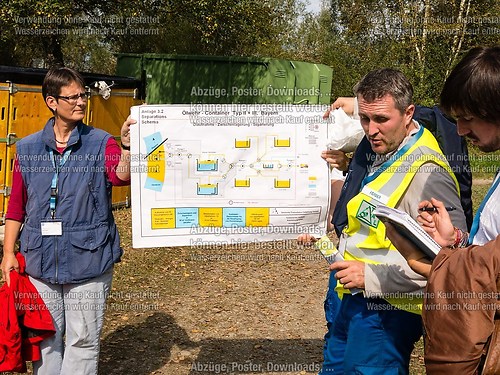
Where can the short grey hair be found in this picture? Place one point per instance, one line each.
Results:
(381, 82)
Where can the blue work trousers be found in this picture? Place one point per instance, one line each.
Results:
(367, 336)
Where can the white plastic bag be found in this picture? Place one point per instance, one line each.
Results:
(345, 132)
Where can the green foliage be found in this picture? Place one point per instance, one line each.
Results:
(87, 33)
(422, 38)
(43, 32)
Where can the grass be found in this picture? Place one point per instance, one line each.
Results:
(483, 165)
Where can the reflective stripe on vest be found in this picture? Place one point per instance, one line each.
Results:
(364, 237)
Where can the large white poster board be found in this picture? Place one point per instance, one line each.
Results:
(207, 174)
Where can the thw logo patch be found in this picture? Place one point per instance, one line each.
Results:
(365, 214)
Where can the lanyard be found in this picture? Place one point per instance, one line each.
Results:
(53, 186)
(475, 223)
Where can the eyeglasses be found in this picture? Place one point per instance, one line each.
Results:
(73, 99)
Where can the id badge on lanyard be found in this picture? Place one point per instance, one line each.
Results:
(53, 226)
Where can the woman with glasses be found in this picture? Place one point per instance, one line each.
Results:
(61, 199)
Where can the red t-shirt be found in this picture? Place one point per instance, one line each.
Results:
(16, 209)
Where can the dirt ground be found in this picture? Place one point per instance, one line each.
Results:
(249, 310)
(252, 309)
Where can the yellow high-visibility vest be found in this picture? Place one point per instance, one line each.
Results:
(364, 237)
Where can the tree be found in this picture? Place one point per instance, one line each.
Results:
(39, 30)
(86, 34)
(424, 39)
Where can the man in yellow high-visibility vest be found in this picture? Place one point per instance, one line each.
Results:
(463, 292)
(374, 331)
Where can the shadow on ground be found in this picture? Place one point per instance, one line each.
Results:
(142, 348)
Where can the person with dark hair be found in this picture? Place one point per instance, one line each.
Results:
(374, 331)
(60, 207)
(472, 89)
(464, 276)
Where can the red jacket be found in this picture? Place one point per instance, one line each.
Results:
(24, 321)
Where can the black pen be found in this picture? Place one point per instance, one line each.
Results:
(434, 209)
